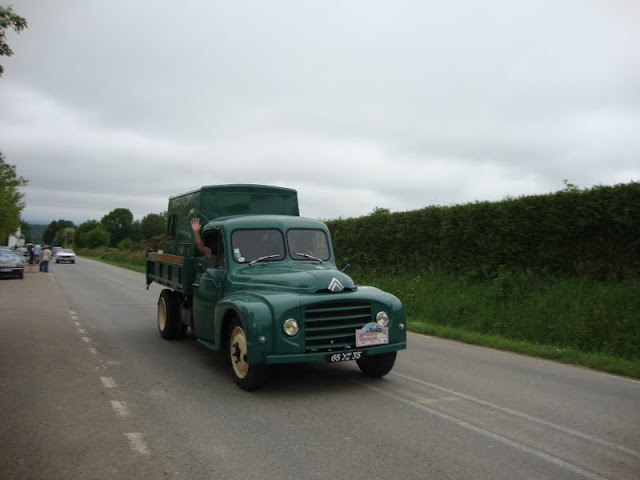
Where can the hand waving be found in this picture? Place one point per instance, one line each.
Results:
(195, 225)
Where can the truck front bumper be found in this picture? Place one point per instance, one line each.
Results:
(323, 356)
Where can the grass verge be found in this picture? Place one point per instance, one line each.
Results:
(132, 261)
(597, 361)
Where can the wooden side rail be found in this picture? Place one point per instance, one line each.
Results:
(167, 257)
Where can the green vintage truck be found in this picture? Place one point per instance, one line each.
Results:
(270, 291)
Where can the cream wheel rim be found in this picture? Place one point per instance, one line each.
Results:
(162, 314)
(238, 350)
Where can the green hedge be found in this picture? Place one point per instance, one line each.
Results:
(593, 232)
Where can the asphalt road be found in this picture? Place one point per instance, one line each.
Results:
(89, 390)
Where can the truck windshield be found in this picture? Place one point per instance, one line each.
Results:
(250, 245)
(308, 244)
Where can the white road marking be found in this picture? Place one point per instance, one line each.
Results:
(136, 440)
(137, 443)
(517, 445)
(108, 382)
(529, 418)
(120, 408)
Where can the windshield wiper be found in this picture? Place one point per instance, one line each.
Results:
(265, 257)
(306, 255)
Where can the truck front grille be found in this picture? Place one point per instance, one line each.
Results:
(331, 326)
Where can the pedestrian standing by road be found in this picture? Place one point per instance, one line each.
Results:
(36, 253)
(46, 258)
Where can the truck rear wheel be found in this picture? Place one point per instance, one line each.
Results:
(168, 321)
(377, 365)
(247, 376)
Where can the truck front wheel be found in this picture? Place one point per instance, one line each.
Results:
(168, 314)
(377, 365)
(247, 376)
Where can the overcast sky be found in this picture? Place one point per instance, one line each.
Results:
(356, 104)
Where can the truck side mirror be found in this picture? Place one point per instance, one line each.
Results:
(345, 265)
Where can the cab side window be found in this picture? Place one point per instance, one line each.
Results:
(213, 240)
(171, 226)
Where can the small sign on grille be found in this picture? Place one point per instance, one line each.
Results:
(372, 334)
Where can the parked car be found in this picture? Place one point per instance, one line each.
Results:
(15, 251)
(65, 255)
(55, 250)
(11, 264)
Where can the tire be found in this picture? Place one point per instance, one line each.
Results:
(377, 365)
(247, 376)
(21, 275)
(57, 261)
(73, 261)
(168, 314)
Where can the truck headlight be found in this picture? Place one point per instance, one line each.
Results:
(291, 327)
(382, 319)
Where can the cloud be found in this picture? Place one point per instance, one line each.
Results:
(356, 104)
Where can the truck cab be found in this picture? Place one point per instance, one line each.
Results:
(271, 293)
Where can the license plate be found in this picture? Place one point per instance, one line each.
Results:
(6, 269)
(343, 357)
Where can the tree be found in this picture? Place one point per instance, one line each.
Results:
(8, 19)
(49, 234)
(91, 234)
(136, 232)
(119, 224)
(64, 237)
(11, 204)
(98, 237)
(152, 225)
(569, 187)
(380, 211)
(82, 230)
